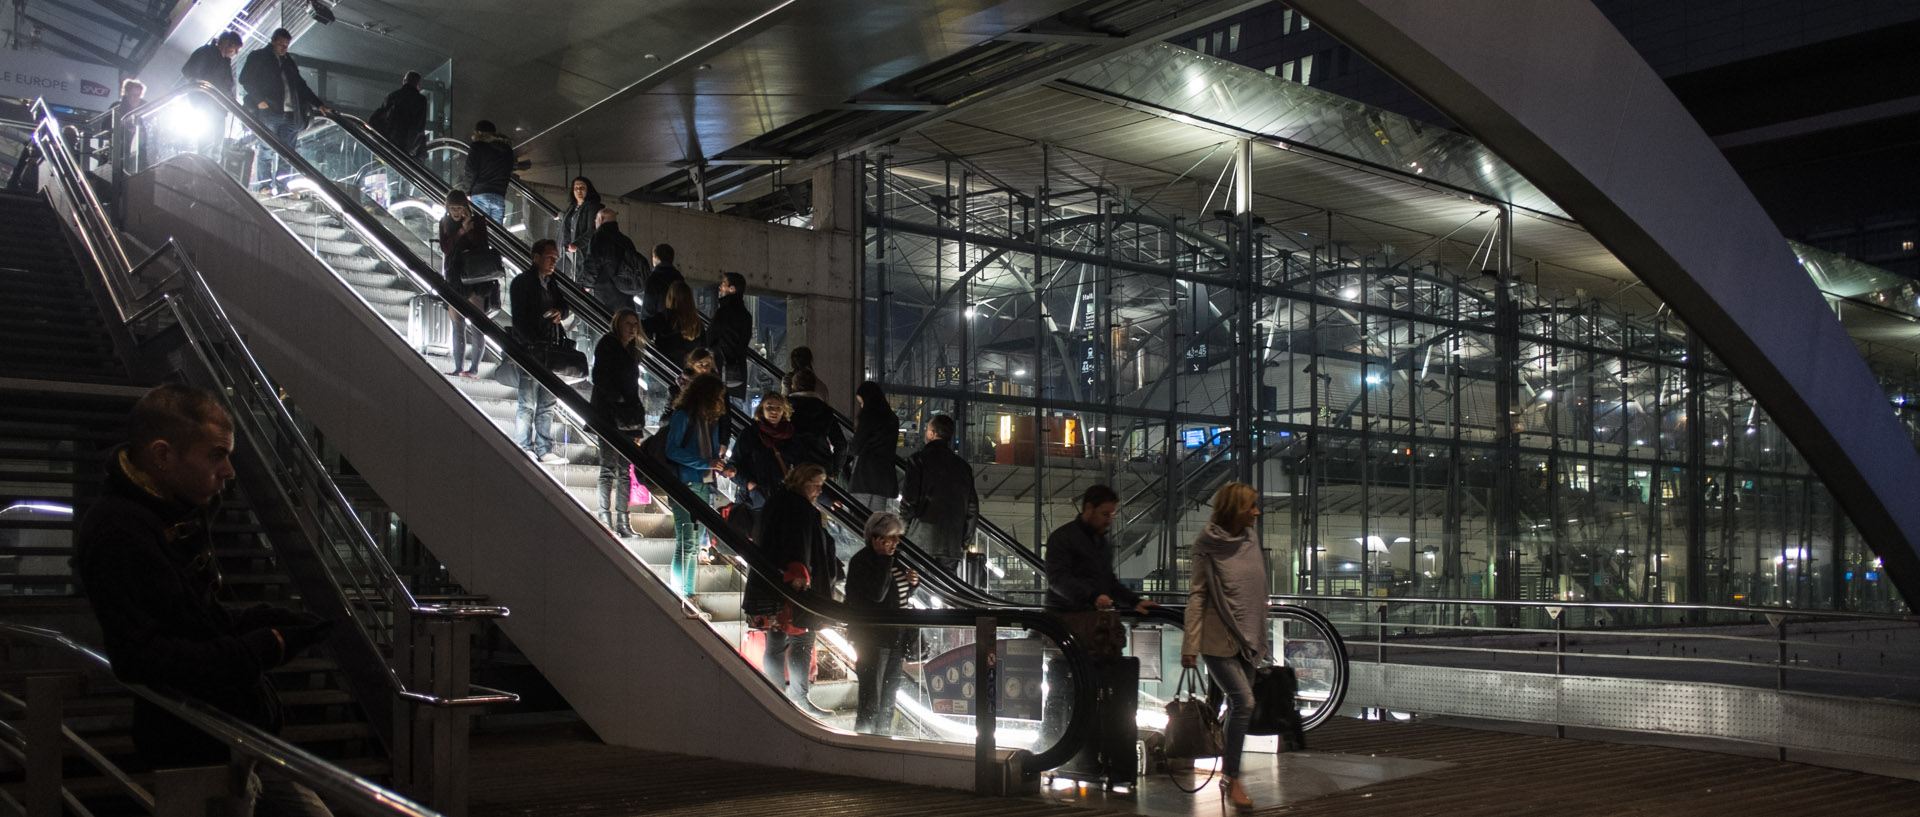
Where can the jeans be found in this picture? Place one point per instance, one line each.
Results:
(1235, 677)
(614, 488)
(280, 125)
(533, 418)
(789, 661)
(493, 204)
(879, 668)
(686, 539)
(466, 339)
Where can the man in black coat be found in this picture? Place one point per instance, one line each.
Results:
(538, 310)
(611, 257)
(213, 63)
(276, 95)
(402, 119)
(490, 166)
(729, 334)
(1080, 559)
(817, 437)
(660, 280)
(145, 555)
(938, 498)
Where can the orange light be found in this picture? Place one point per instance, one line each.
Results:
(1073, 427)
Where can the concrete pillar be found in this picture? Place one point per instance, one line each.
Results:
(823, 314)
(828, 326)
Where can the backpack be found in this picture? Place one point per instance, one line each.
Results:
(631, 278)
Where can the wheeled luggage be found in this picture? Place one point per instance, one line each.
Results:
(429, 329)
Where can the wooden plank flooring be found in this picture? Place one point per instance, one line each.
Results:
(564, 771)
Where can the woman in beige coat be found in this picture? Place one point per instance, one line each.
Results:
(1227, 617)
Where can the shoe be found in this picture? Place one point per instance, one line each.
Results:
(468, 374)
(551, 458)
(1235, 792)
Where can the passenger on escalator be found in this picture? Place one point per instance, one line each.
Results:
(538, 311)
(144, 552)
(760, 457)
(616, 394)
(1226, 622)
(729, 335)
(577, 225)
(402, 118)
(213, 63)
(792, 538)
(876, 432)
(675, 330)
(816, 431)
(800, 359)
(490, 166)
(693, 444)
(938, 499)
(660, 282)
(279, 99)
(460, 232)
(613, 267)
(877, 581)
(1079, 560)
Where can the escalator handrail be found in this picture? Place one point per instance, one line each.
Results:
(1175, 613)
(99, 238)
(591, 310)
(658, 473)
(338, 786)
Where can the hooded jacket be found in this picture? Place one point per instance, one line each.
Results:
(489, 164)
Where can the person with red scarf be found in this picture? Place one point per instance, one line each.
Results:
(762, 455)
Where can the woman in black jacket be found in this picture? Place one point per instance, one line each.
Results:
(576, 225)
(616, 395)
(759, 458)
(462, 230)
(875, 581)
(876, 431)
(792, 538)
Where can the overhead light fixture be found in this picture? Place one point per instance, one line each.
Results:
(322, 13)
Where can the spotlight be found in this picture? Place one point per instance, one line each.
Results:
(322, 13)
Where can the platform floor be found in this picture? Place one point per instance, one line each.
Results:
(1356, 768)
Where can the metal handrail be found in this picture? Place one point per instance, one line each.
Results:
(1175, 614)
(103, 242)
(337, 786)
(658, 474)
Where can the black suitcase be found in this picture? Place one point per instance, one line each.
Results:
(1111, 751)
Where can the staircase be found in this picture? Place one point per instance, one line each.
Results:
(50, 323)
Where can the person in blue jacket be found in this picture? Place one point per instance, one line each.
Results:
(693, 445)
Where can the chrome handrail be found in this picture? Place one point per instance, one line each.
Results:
(337, 786)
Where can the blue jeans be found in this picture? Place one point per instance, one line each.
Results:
(686, 539)
(266, 163)
(493, 204)
(1235, 677)
(533, 417)
(788, 661)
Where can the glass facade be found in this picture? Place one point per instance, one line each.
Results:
(1420, 417)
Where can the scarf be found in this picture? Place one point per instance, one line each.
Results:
(1236, 577)
(773, 436)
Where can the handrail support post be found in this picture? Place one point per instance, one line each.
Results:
(988, 777)
(46, 703)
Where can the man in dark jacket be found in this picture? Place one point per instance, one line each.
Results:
(817, 437)
(274, 92)
(612, 261)
(490, 166)
(938, 499)
(145, 555)
(661, 279)
(402, 119)
(213, 63)
(538, 311)
(729, 334)
(1080, 559)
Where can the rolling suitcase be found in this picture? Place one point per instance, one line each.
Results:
(1111, 752)
(429, 329)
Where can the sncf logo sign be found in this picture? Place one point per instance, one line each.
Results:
(91, 88)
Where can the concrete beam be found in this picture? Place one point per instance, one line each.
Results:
(1554, 89)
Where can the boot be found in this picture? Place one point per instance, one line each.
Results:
(623, 519)
(605, 519)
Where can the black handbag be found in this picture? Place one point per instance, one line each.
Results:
(1193, 727)
(479, 265)
(1275, 710)
(630, 417)
(561, 358)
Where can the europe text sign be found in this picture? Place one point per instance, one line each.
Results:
(72, 83)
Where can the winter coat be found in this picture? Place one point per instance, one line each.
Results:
(817, 432)
(489, 164)
(206, 64)
(532, 298)
(875, 435)
(667, 340)
(791, 537)
(616, 377)
(659, 281)
(147, 564)
(454, 243)
(939, 502)
(763, 465)
(1080, 569)
(265, 78)
(576, 225)
(402, 119)
(728, 335)
(872, 585)
(1227, 596)
(684, 449)
(608, 251)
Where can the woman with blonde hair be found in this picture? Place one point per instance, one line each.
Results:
(792, 539)
(763, 452)
(1227, 617)
(616, 394)
(675, 330)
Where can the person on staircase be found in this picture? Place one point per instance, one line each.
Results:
(693, 446)
(490, 166)
(760, 457)
(402, 118)
(280, 101)
(817, 435)
(876, 432)
(611, 259)
(616, 394)
(577, 225)
(877, 581)
(144, 553)
(538, 312)
(792, 538)
(462, 232)
(730, 335)
(938, 498)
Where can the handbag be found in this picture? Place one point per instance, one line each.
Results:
(479, 265)
(1193, 728)
(630, 416)
(1275, 712)
(561, 358)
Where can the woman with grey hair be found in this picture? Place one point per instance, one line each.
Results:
(875, 581)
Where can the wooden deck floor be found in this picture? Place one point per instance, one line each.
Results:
(564, 771)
